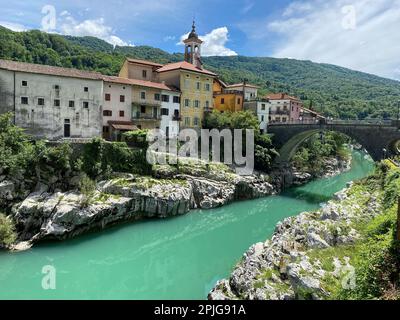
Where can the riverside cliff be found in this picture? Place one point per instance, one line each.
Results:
(61, 215)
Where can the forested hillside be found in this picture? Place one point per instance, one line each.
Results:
(333, 90)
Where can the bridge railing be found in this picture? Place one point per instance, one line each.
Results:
(372, 122)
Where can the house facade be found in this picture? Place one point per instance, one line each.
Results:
(284, 108)
(249, 91)
(117, 108)
(52, 102)
(226, 100)
(260, 107)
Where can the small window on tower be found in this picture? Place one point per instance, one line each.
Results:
(24, 83)
(144, 74)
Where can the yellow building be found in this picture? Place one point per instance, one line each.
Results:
(188, 77)
(227, 100)
(196, 90)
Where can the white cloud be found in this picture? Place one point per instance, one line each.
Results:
(360, 34)
(214, 43)
(95, 28)
(13, 26)
(248, 5)
(297, 7)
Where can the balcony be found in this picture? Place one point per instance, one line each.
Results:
(177, 118)
(280, 112)
(146, 116)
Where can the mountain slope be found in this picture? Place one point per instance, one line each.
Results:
(334, 90)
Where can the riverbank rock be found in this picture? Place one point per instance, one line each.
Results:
(282, 268)
(61, 215)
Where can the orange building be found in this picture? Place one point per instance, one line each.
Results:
(225, 99)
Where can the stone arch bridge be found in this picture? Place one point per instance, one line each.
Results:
(375, 136)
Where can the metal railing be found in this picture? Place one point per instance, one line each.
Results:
(145, 116)
(371, 122)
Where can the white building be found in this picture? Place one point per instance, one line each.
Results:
(117, 107)
(52, 102)
(170, 115)
(250, 91)
(261, 108)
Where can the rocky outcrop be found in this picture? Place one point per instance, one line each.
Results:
(332, 167)
(7, 192)
(281, 268)
(61, 215)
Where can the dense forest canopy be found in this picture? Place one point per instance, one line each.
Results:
(333, 90)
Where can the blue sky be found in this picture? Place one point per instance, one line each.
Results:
(359, 34)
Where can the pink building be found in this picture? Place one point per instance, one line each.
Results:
(284, 108)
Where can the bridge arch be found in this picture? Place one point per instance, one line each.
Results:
(374, 138)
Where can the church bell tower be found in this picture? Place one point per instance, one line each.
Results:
(193, 48)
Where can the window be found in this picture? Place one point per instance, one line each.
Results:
(157, 97)
(263, 107)
(40, 101)
(57, 102)
(106, 129)
(239, 101)
(187, 121)
(164, 112)
(177, 99)
(222, 101)
(108, 97)
(207, 104)
(56, 87)
(143, 95)
(71, 104)
(107, 113)
(262, 118)
(187, 84)
(85, 104)
(187, 103)
(196, 103)
(284, 119)
(198, 85)
(122, 113)
(24, 100)
(142, 109)
(165, 98)
(86, 89)
(207, 87)
(24, 83)
(144, 74)
(121, 98)
(196, 121)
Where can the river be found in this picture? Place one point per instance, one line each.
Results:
(177, 258)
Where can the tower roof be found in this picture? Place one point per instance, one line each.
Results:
(193, 36)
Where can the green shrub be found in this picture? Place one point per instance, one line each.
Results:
(87, 187)
(137, 138)
(7, 231)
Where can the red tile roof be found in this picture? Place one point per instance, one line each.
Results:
(49, 70)
(145, 62)
(142, 83)
(184, 66)
(281, 96)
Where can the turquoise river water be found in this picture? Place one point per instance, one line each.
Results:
(177, 258)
